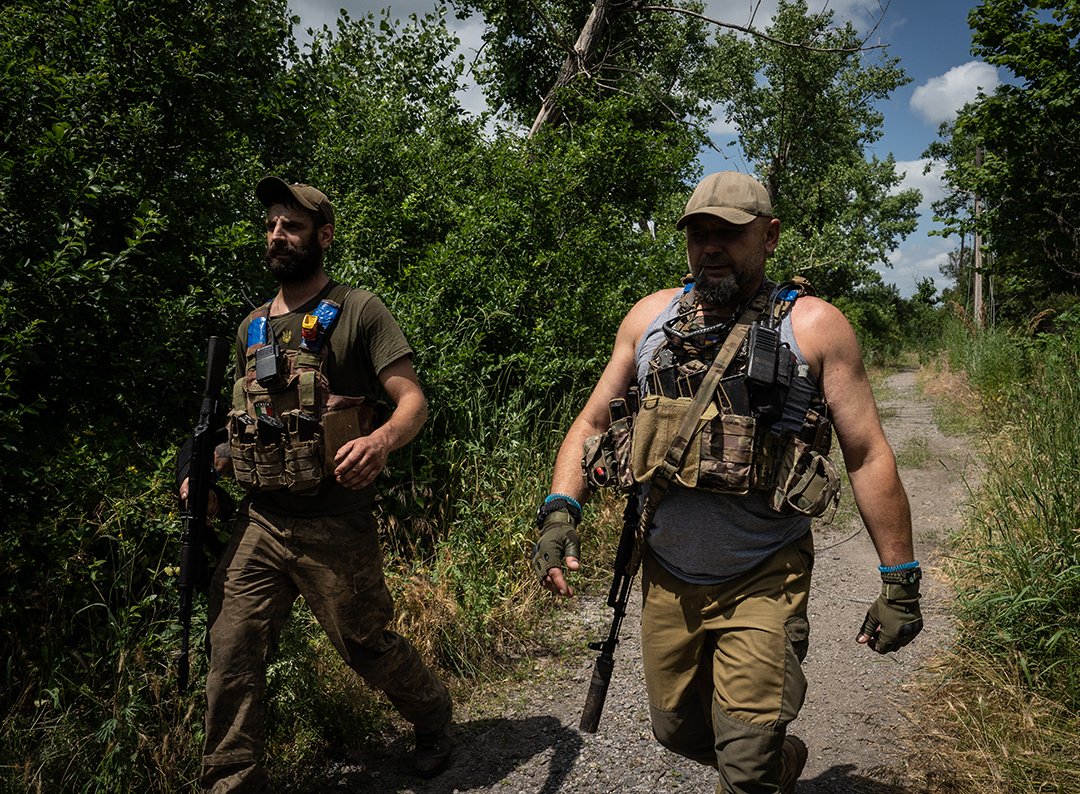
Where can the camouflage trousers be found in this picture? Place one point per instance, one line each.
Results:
(723, 664)
(335, 563)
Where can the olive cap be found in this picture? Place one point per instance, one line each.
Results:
(730, 195)
(274, 190)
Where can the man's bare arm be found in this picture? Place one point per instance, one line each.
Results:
(619, 374)
(829, 343)
(360, 460)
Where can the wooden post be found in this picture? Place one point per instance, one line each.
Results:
(978, 250)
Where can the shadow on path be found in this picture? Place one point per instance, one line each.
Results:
(846, 779)
(485, 752)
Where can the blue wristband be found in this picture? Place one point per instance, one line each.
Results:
(568, 499)
(907, 566)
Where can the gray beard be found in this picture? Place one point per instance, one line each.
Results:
(718, 293)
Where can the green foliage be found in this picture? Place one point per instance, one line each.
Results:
(1027, 130)
(806, 116)
(657, 60)
(995, 358)
(317, 707)
(100, 715)
(133, 133)
(133, 130)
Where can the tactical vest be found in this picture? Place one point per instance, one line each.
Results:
(286, 425)
(765, 428)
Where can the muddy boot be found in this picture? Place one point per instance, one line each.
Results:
(432, 751)
(792, 761)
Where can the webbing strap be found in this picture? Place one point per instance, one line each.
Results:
(673, 460)
(306, 390)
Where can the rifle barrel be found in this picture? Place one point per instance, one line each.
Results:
(618, 597)
(194, 516)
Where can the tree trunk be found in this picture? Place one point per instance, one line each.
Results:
(580, 60)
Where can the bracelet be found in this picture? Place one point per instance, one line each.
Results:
(907, 566)
(551, 497)
(555, 502)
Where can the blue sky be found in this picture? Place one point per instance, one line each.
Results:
(931, 38)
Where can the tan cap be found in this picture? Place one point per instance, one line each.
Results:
(733, 196)
(273, 190)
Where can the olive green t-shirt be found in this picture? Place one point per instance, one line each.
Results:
(364, 340)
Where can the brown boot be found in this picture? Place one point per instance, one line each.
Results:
(432, 751)
(792, 760)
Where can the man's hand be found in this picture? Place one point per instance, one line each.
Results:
(558, 541)
(359, 461)
(212, 507)
(894, 619)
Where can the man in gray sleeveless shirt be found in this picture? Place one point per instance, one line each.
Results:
(726, 576)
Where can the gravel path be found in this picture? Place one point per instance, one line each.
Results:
(855, 721)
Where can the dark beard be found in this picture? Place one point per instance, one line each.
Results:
(293, 264)
(721, 292)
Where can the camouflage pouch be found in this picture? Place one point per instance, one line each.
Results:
(606, 459)
(304, 452)
(727, 454)
(270, 462)
(719, 456)
(346, 418)
(807, 483)
(242, 441)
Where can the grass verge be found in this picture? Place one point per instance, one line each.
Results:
(1004, 709)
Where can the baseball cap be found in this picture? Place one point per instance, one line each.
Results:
(274, 190)
(730, 195)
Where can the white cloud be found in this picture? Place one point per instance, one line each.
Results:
(920, 257)
(930, 184)
(938, 99)
(721, 127)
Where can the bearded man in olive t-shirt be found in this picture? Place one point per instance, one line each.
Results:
(307, 444)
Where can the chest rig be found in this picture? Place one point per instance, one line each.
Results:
(761, 425)
(285, 424)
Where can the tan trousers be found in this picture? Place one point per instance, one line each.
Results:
(335, 563)
(723, 664)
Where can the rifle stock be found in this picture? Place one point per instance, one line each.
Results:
(618, 596)
(194, 516)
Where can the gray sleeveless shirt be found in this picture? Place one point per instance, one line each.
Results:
(708, 538)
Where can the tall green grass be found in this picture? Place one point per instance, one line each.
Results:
(1017, 569)
(993, 358)
(1021, 567)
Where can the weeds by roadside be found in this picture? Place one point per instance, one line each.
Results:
(914, 453)
(1005, 708)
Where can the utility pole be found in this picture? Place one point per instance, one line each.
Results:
(978, 249)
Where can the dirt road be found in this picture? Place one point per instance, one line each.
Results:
(525, 738)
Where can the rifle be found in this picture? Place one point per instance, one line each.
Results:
(194, 516)
(618, 597)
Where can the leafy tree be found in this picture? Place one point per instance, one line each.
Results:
(510, 261)
(1028, 131)
(132, 135)
(806, 116)
(575, 52)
